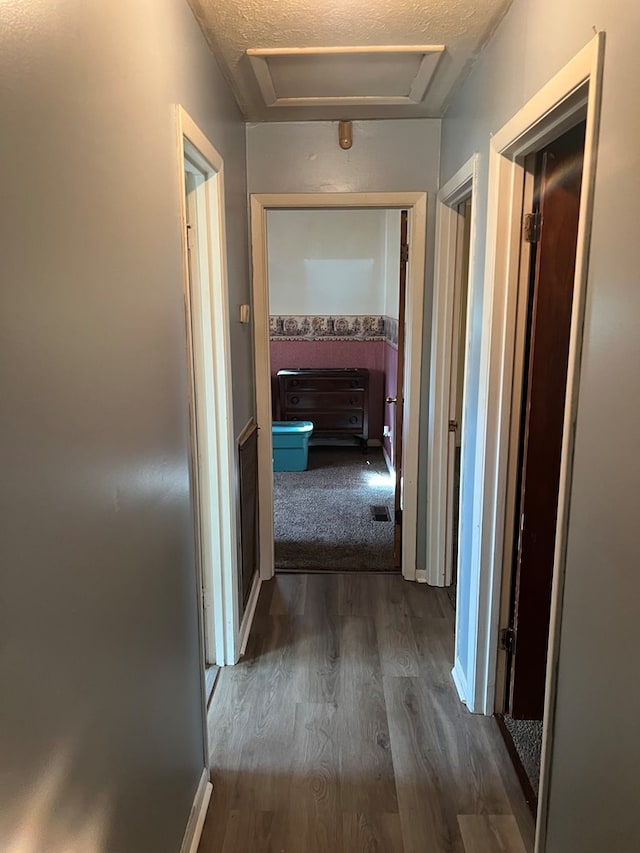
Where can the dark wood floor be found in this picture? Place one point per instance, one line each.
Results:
(340, 730)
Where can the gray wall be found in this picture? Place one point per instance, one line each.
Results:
(100, 717)
(386, 156)
(594, 784)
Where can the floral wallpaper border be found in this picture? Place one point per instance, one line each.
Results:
(352, 327)
(391, 331)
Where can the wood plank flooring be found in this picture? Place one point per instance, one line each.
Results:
(340, 730)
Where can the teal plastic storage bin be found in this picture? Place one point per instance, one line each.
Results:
(291, 445)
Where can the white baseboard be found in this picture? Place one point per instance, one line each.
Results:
(249, 613)
(421, 576)
(192, 833)
(387, 462)
(460, 681)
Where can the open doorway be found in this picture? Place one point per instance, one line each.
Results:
(200, 340)
(336, 281)
(550, 232)
(407, 400)
(212, 453)
(489, 476)
(453, 293)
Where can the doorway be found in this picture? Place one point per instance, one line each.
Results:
(453, 292)
(201, 172)
(572, 96)
(550, 231)
(336, 281)
(456, 392)
(415, 204)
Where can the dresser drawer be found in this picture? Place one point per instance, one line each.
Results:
(323, 383)
(324, 399)
(335, 422)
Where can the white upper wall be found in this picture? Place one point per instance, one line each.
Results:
(329, 261)
(392, 262)
(594, 780)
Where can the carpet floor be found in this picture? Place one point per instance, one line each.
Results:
(323, 516)
(527, 739)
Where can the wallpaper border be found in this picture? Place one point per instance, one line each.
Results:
(344, 327)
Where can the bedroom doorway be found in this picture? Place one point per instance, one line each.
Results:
(369, 447)
(336, 281)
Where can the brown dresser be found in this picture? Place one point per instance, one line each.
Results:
(336, 401)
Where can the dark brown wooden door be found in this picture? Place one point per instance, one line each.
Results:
(559, 177)
(397, 454)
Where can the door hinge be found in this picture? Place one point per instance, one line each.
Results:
(453, 426)
(507, 639)
(189, 229)
(404, 253)
(531, 226)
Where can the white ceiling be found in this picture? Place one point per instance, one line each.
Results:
(376, 75)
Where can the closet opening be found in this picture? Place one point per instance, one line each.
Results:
(553, 185)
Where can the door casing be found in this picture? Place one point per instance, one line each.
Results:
(550, 297)
(209, 365)
(399, 410)
(416, 204)
(446, 284)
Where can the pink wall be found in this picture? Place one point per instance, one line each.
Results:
(390, 390)
(370, 354)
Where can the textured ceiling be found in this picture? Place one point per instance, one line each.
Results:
(234, 26)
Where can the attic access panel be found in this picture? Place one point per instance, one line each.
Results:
(349, 76)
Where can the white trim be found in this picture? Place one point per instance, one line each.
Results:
(387, 461)
(199, 334)
(459, 680)
(354, 49)
(249, 613)
(514, 463)
(259, 61)
(246, 431)
(461, 185)
(421, 576)
(193, 832)
(212, 385)
(416, 204)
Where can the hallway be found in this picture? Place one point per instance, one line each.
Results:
(340, 730)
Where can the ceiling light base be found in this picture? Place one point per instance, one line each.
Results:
(345, 135)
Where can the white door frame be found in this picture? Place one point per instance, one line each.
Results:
(445, 284)
(574, 93)
(416, 204)
(207, 313)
